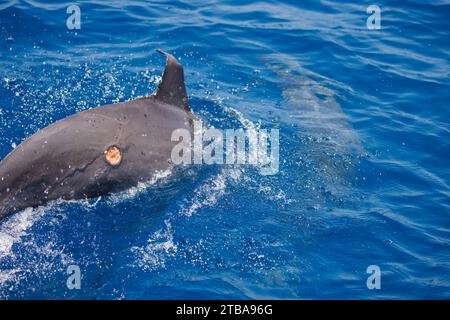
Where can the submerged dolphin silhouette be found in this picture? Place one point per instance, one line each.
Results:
(98, 151)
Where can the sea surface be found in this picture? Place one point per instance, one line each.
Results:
(364, 174)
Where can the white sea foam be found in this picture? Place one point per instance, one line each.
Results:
(159, 246)
(7, 276)
(246, 123)
(12, 230)
(272, 195)
(209, 193)
(141, 187)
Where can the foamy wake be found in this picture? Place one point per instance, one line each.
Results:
(159, 247)
(16, 227)
(209, 193)
(272, 195)
(141, 187)
(246, 123)
(12, 231)
(7, 276)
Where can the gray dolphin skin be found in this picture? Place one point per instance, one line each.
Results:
(98, 151)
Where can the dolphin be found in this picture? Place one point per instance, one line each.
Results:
(99, 151)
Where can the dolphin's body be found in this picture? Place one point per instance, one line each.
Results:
(98, 151)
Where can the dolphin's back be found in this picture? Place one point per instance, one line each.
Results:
(96, 152)
(67, 159)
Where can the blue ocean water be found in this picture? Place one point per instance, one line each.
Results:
(364, 150)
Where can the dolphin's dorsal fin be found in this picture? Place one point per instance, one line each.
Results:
(171, 89)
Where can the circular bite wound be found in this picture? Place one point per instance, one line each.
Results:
(113, 156)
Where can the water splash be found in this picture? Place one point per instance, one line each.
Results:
(16, 227)
(140, 188)
(159, 247)
(210, 192)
